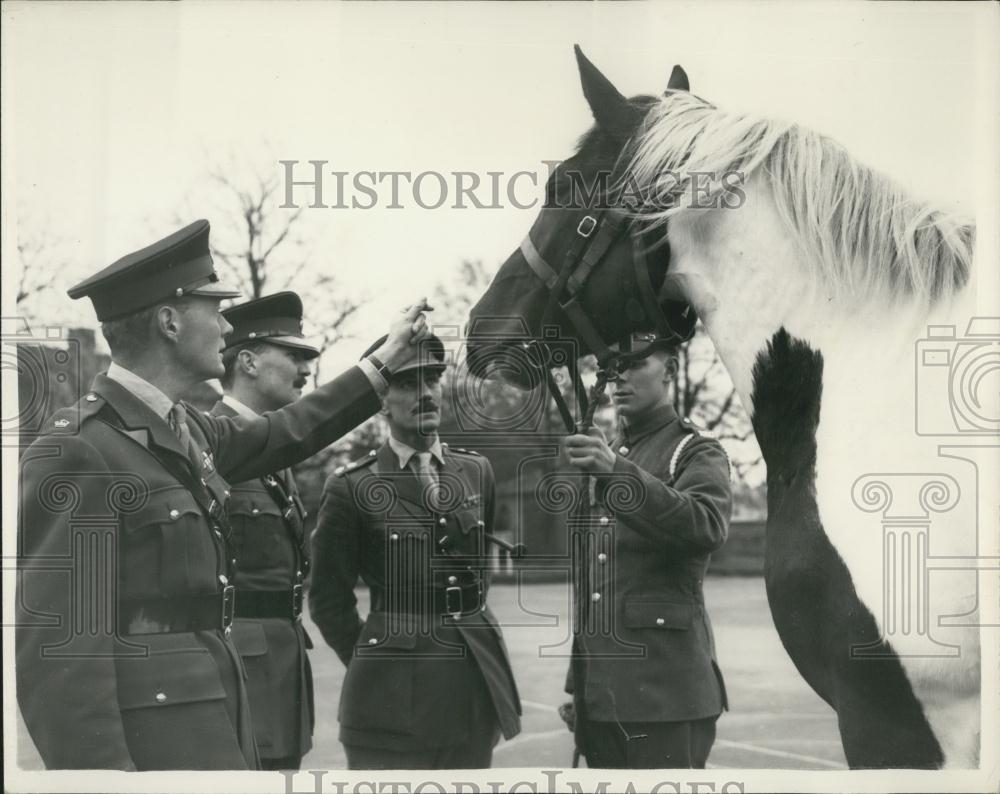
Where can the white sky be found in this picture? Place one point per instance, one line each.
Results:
(113, 112)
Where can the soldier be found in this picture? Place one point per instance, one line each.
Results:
(267, 364)
(124, 659)
(647, 689)
(428, 683)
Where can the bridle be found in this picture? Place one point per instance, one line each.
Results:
(596, 234)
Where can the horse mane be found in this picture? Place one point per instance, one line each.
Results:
(858, 226)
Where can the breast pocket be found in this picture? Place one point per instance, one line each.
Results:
(168, 547)
(471, 527)
(258, 530)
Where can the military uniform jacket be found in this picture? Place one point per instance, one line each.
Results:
(113, 511)
(644, 644)
(410, 678)
(272, 553)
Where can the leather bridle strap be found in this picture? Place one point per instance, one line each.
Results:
(644, 287)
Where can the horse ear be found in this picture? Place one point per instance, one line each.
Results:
(678, 80)
(606, 103)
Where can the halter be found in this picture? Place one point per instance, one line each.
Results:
(596, 234)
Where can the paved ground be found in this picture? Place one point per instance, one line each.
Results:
(776, 721)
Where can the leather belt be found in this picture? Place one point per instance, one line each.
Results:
(455, 600)
(207, 612)
(271, 603)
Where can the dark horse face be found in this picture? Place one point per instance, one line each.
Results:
(512, 309)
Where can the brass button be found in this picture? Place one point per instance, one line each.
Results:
(161, 698)
(660, 621)
(373, 641)
(604, 521)
(442, 521)
(452, 580)
(255, 512)
(223, 580)
(602, 558)
(394, 536)
(226, 493)
(623, 450)
(480, 523)
(218, 533)
(175, 514)
(595, 597)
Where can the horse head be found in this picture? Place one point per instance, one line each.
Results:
(583, 273)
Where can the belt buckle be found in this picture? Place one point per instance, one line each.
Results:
(297, 602)
(228, 608)
(453, 601)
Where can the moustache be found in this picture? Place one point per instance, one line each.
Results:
(424, 406)
(299, 383)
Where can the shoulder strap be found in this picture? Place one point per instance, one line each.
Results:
(280, 491)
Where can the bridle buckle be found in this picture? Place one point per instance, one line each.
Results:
(586, 226)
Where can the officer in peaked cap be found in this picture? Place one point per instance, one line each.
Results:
(178, 265)
(428, 683)
(646, 685)
(137, 669)
(267, 363)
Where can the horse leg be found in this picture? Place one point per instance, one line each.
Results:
(882, 724)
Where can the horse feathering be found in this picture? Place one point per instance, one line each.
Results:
(858, 226)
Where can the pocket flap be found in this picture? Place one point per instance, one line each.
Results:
(162, 507)
(658, 615)
(469, 519)
(248, 636)
(399, 632)
(257, 506)
(168, 678)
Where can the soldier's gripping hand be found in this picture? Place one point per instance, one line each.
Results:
(589, 453)
(407, 330)
(567, 712)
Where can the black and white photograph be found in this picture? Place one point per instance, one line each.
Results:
(500, 397)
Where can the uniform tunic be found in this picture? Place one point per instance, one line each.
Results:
(644, 645)
(272, 553)
(415, 680)
(113, 511)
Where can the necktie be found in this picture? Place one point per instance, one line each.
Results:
(177, 419)
(428, 479)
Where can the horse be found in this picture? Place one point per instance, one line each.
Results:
(819, 280)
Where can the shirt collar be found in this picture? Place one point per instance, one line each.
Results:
(157, 401)
(648, 422)
(404, 451)
(241, 408)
